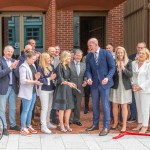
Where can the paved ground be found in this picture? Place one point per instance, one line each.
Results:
(73, 142)
(77, 140)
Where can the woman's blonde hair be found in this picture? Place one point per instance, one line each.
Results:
(42, 63)
(147, 53)
(126, 59)
(63, 57)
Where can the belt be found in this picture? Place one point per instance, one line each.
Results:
(10, 84)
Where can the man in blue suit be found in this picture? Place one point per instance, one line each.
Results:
(100, 67)
(8, 88)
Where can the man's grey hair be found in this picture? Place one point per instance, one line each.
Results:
(78, 51)
(8, 47)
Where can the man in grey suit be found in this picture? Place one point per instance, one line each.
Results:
(77, 76)
(8, 88)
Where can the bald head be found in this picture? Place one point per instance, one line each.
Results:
(52, 51)
(93, 45)
(28, 48)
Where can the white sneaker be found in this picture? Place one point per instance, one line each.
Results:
(46, 130)
(51, 126)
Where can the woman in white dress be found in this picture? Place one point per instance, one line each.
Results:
(121, 90)
(141, 88)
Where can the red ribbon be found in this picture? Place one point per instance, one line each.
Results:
(129, 133)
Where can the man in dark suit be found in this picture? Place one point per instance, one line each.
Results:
(77, 76)
(133, 111)
(100, 67)
(8, 88)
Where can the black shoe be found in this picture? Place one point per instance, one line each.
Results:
(86, 110)
(78, 123)
(92, 128)
(104, 132)
(5, 132)
(131, 120)
(15, 128)
(70, 122)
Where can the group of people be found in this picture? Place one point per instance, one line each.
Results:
(60, 79)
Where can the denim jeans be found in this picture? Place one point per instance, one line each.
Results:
(26, 114)
(11, 98)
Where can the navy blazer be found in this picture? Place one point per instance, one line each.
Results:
(105, 68)
(22, 59)
(132, 57)
(4, 77)
(43, 79)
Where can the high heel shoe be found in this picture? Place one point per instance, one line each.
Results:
(114, 128)
(123, 130)
(143, 130)
(137, 128)
(63, 129)
(68, 129)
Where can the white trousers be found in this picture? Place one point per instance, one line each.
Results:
(143, 108)
(46, 99)
(138, 106)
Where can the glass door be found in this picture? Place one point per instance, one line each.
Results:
(16, 29)
(11, 33)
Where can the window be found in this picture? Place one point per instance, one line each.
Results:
(11, 36)
(34, 32)
(30, 18)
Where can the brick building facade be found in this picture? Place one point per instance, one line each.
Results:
(98, 19)
(59, 26)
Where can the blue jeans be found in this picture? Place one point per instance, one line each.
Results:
(11, 98)
(26, 114)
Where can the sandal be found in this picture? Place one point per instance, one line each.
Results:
(143, 130)
(139, 126)
(63, 129)
(68, 129)
(114, 126)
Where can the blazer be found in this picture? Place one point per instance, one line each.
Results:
(48, 85)
(4, 77)
(132, 57)
(126, 75)
(141, 76)
(105, 68)
(22, 59)
(78, 80)
(25, 90)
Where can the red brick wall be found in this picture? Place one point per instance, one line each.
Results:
(115, 26)
(50, 31)
(59, 27)
(65, 29)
